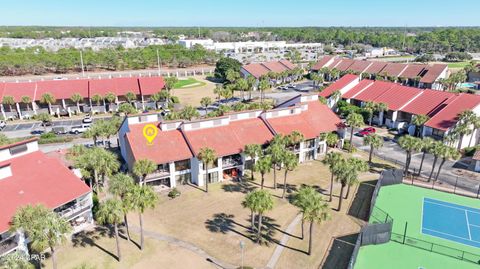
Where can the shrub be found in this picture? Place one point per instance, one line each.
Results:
(48, 135)
(174, 193)
(55, 139)
(471, 150)
(348, 147)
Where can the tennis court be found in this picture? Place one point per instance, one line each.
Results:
(450, 221)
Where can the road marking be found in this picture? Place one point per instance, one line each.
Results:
(468, 226)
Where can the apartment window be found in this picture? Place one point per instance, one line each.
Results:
(18, 149)
(310, 143)
(164, 167)
(182, 165)
(183, 179)
(212, 177)
(160, 182)
(438, 133)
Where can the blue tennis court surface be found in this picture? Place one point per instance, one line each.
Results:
(453, 222)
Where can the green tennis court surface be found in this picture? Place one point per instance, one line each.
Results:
(405, 204)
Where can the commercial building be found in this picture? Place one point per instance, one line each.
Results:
(63, 90)
(29, 177)
(248, 46)
(283, 68)
(417, 75)
(404, 103)
(178, 143)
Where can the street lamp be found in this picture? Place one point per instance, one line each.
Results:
(242, 247)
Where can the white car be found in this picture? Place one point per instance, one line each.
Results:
(87, 119)
(79, 128)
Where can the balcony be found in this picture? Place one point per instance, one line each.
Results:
(74, 210)
(231, 161)
(8, 245)
(158, 174)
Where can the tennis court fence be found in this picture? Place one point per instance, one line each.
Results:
(436, 248)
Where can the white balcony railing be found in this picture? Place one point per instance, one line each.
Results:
(66, 213)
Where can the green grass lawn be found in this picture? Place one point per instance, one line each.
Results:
(457, 64)
(188, 83)
(404, 203)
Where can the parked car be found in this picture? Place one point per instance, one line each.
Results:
(37, 132)
(79, 128)
(87, 119)
(60, 130)
(366, 131)
(165, 112)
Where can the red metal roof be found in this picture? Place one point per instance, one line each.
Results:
(448, 116)
(336, 62)
(229, 139)
(256, 70)
(338, 85)
(275, 66)
(364, 84)
(374, 91)
(413, 71)
(37, 179)
(393, 69)
(259, 69)
(433, 72)
(287, 64)
(168, 146)
(344, 64)
(125, 85)
(375, 68)
(320, 64)
(17, 90)
(151, 85)
(62, 89)
(318, 118)
(428, 102)
(397, 96)
(359, 66)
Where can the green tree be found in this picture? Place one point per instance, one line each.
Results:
(111, 212)
(98, 162)
(263, 85)
(448, 153)
(44, 118)
(331, 139)
(126, 108)
(142, 168)
(231, 76)
(374, 141)
(110, 97)
(263, 202)
(263, 166)
(370, 108)
(333, 160)
(424, 145)
(189, 113)
(16, 260)
(410, 144)
(130, 96)
(49, 99)
(170, 84)
(313, 209)
(354, 120)
(156, 97)
(142, 198)
(438, 149)
(294, 139)
(252, 82)
(76, 98)
(44, 228)
(242, 85)
(120, 185)
(224, 64)
(207, 156)
(253, 151)
(276, 150)
(27, 101)
(96, 99)
(250, 202)
(347, 175)
(419, 121)
(290, 162)
(205, 102)
(9, 101)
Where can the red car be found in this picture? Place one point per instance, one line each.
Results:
(367, 131)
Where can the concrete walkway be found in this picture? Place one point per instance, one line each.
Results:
(279, 249)
(186, 245)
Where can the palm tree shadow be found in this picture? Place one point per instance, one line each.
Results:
(88, 238)
(224, 223)
(242, 187)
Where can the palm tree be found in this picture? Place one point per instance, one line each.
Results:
(76, 98)
(110, 212)
(374, 141)
(263, 202)
(358, 165)
(97, 99)
(156, 97)
(332, 159)
(142, 168)
(170, 83)
(110, 97)
(370, 108)
(437, 150)
(205, 102)
(98, 161)
(251, 81)
(241, 85)
(120, 185)
(8, 100)
(48, 98)
(380, 108)
(294, 139)
(276, 150)
(44, 228)
(419, 121)
(207, 156)
(313, 209)
(469, 118)
(424, 145)
(141, 198)
(448, 154)
(44, 118)
(250, 202)
(476, 125)
(355, 120)
(231, 75)
(462, 129)
(27, 101)
(409, 144)
(331, 139)
(263, 166)
(130, 96)
(262, 86)
(253, 151)
(347, 175)
(290, 162)
(189, 113)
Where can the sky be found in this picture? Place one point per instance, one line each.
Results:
(256, 13)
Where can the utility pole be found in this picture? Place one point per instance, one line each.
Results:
(81, 63)
(404, 38)
(158, 63)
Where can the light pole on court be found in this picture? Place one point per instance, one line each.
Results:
(242, 247)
